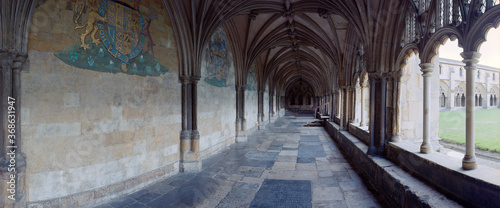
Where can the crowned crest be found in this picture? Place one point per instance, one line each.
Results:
(121, 34)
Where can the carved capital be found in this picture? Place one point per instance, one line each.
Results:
(8, 59)
(426, 68)
(471, 58)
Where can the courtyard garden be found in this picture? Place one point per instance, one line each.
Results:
(487, 125)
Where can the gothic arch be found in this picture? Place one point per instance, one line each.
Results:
(490, 19)
(405, 54)
(437, 39)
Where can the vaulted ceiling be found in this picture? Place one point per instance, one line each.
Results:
(318, 41)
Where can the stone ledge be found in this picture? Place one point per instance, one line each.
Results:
(360, 133)
(479, 187)
(396, 187)
(104, 194)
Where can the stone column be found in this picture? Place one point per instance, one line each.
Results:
(6, 60)
(371, 148)
(396, 104)
(345, 111)
(185, 134)
(353, 104)
(381, 111)
(362, 122)
(332, 104)
(271, 106)
(260, 107)
(348, 106)
(10, 68)
(190, 161)
(427, 69)
(470, 59)
(241, 121)
(195, 135)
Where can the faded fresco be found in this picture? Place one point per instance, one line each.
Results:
(218, 60)
(117, 36)
(252, 79)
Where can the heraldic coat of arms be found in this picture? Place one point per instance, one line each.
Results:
(122, 34)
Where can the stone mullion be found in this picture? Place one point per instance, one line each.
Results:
(470, 59)
(426, 69)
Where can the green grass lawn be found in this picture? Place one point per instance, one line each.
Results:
(452, 128)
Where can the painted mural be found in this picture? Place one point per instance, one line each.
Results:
(252, 79)
(217, 60)
(120, 39)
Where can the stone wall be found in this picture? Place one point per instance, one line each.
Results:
(251, 110)
(86, 129)
(216, 96)
(411, 98)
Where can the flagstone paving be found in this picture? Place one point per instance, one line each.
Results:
(286, 165)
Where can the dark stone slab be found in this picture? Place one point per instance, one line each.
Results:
(263, 156)
(240, 195)
(283, 193)
(136, 205)
(190, 194)
(311, 151)
(309, 138)
(144, 196)
(306, 160)
(122, 202)
(104, 206)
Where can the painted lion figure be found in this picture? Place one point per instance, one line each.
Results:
(91, 24)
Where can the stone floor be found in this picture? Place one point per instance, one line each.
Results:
(286, 165)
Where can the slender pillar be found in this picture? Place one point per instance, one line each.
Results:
(190, 161)
(261, 110)
(380, 141)
(240, 114)
(6, 93)
(195, 135)
(347, 107)
(185, 133)
(470, 59)
(396, 114)
(427, 69)
(271, 106)
(371, 148)
(363, 87)
(10, 68)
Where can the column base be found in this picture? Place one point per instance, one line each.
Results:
(241, 139)
(395, 138)
(190, 166)
(469, 163)
(426, 148)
